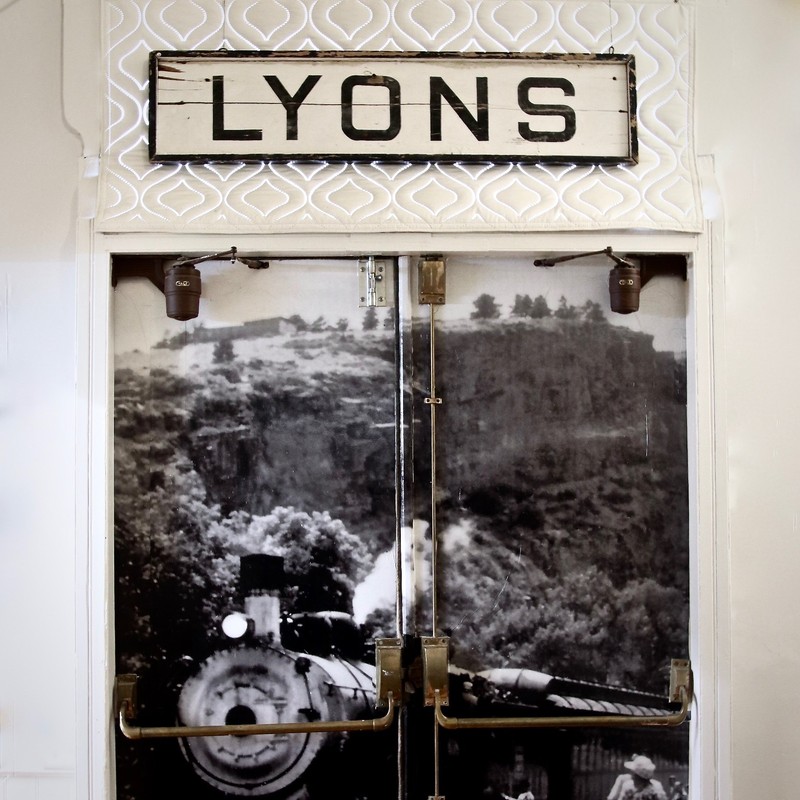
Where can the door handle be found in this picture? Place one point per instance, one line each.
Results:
(620, 721)
(436, 694)
(389, 680)
(127, 712)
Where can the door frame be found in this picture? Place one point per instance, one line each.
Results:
(709, 570)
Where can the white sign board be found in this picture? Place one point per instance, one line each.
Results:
(508, 107)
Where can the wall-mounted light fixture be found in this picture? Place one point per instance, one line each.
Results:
(626, 279)
(178, 278)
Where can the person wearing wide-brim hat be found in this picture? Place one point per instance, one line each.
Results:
(638, 783)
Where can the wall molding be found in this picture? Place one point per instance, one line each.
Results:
(660, 193)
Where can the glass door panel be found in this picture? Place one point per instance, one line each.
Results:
(255, 474)
(562, 520)
(506, 470)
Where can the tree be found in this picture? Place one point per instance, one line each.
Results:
(649, 625)
(534, 309)
(223, 352)
(523, 306)
(299, 323)
(565, 311)
(174, 577)
(342, 324)
(485, 308)
(307, 543)
(593, 312)
(540, 309)
(370, 319)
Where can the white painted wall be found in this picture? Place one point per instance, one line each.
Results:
(748, 117)
(38, 405)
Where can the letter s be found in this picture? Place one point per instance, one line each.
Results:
(544, 110)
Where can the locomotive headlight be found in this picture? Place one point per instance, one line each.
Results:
(237, 626)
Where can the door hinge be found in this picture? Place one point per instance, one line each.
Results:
(374, 282)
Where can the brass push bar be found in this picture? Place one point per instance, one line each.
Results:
(680, 691)
(620, 721)
(389, 685)
(181, 732)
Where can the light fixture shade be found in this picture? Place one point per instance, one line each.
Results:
(182, 290)
(624, 287)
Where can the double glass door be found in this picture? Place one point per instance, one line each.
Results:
(466, 451)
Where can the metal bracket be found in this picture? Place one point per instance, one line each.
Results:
(373, 282)
(431, 280)
(652, 265)
(388, 671)
(680, 680)
(435, 673)
(135, 266)
(154, 267)
(125, 696)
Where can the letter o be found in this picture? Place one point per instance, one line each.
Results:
(361, 134)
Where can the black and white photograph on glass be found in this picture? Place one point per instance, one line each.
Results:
(562, 523)
(268, 455)
(254, 492)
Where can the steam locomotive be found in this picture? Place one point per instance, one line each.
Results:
(308, 670)
(311, 668)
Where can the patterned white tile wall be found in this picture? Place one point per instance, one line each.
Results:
(660, 193)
